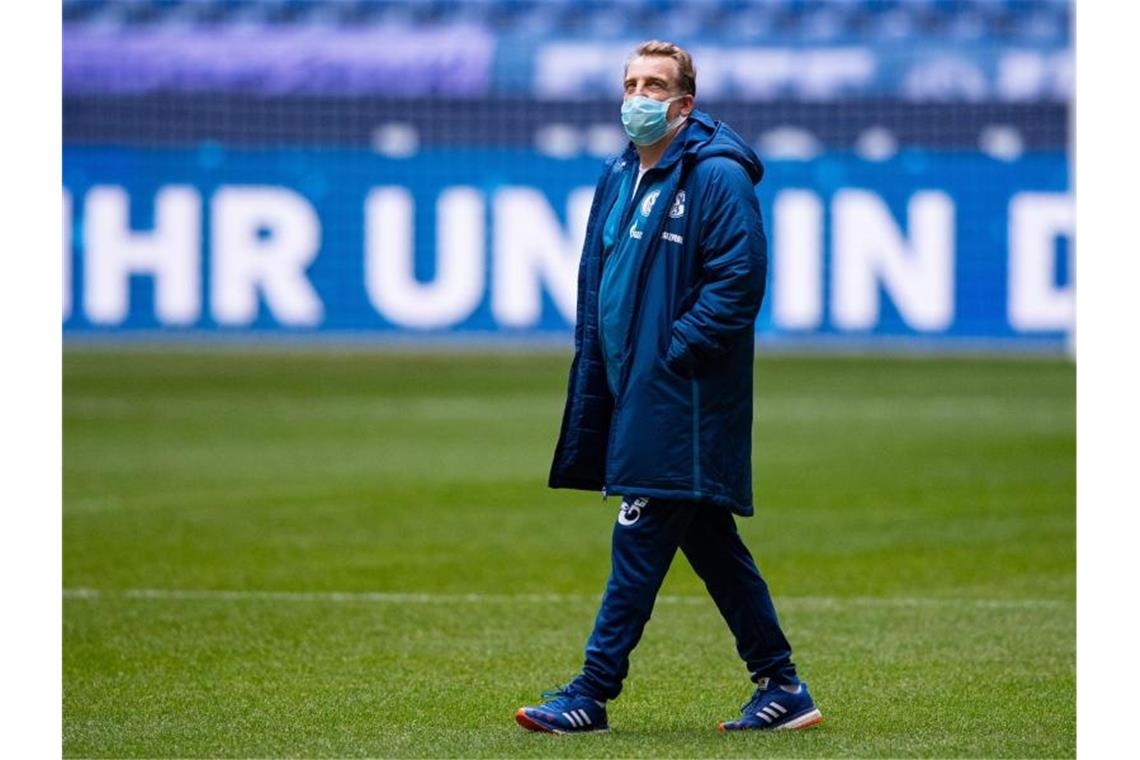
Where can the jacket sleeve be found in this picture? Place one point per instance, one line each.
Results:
(734, 256)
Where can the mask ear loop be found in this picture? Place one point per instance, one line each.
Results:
(680, 119)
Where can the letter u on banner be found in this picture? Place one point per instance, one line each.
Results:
(389, 263)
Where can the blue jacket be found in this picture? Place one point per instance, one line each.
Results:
(678, 424)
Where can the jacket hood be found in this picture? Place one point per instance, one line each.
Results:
(703, 137)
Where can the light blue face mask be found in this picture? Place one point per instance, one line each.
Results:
(644, 119)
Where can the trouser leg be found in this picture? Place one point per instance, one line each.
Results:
(645, 539)
(718, 555)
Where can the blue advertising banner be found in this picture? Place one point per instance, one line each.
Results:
(937, 248)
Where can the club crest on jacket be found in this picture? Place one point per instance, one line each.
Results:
(647, 203)
(678, 209)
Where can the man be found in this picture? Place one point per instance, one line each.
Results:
(659, 405)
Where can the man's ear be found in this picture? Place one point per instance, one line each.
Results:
(688, 104)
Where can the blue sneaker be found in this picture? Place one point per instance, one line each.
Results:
(774, 709)
(565, 712)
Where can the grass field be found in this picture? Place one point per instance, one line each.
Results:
(274, 553)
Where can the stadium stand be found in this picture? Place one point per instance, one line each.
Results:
(472, 72)
(955, 112)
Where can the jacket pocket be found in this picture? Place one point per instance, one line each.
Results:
(687, 300)
(675, 385)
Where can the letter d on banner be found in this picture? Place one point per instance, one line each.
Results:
(1036, 302)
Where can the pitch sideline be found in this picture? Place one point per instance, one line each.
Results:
(383, 597)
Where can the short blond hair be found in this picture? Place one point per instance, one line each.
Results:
(686, 72)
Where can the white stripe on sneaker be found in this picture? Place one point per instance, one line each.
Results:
(571, 718)
(769, 712)
(765, 716)
(585, 717)
(779, 707)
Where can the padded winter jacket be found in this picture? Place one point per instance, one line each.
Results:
(677, 424)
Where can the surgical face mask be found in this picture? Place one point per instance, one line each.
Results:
(644, 119)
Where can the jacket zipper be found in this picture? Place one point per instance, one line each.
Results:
(601, 333)
(626, 215)
(641, 275)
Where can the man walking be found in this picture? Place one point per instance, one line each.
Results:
(659, 404)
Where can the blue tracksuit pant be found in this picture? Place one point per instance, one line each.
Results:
(647, 534)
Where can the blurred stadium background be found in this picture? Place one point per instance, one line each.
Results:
(347, 551)
(414, 169)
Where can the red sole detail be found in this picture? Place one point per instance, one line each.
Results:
(525, 721)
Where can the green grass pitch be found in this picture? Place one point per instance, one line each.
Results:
(322, 553)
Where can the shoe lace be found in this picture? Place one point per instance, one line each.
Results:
(561, 691)
(753, 701)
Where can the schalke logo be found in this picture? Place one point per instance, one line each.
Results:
(678, 209)
(630, 512)
(647, 203)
